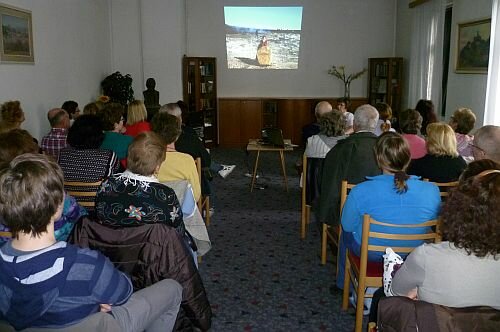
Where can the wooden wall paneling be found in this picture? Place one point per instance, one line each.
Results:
(229, 122)
(293, 114)
(251, 120)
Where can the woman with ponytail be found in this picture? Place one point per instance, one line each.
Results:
(393, 197)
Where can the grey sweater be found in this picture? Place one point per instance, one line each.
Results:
(446, 275)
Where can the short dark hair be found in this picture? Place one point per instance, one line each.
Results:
(15, 143)
(145, 153)
(31, 191)
(86, 132)
(344, 100)
(111, 114)
(471, 213)
(167, 126)
(70, 106)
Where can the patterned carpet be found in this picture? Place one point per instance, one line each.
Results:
(259, 275)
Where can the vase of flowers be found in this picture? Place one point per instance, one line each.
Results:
(339, 72)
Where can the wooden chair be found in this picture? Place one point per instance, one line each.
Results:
(332, 233)
(364, 274)
(311, 172)
(204, 201)
(305, 208)
(444, 187)
(83, 192)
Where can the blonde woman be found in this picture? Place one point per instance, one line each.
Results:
(442, 162)
(462, 122)
(136, 119)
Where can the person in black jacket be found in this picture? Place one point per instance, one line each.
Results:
(352, 159)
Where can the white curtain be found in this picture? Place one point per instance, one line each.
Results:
(426, 60)
(492, 105)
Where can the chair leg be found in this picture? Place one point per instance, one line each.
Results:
(303, 217)
(347, 281)
(207, 209)
(324, 238)
(360, 304)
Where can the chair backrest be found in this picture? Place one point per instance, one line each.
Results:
(312, 170)
(345, 188)
(432, 236)
(197, 161)
(444, 187)
(83, 192)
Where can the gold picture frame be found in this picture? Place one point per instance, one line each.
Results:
(16, 37)
(473, 45)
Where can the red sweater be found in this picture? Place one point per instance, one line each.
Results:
(137, 128)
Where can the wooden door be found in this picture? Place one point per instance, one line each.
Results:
(229, 122)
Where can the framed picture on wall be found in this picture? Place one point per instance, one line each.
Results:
(473, 47)
(16, 42)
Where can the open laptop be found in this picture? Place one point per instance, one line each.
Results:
(272, 137)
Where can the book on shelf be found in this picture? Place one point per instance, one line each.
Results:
(382, 86)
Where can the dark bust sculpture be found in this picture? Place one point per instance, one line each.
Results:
(151, 98)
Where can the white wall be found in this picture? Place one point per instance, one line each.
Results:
(403, 44)
(466, 90)
(148, 40)
(72, 56)
(334, 32)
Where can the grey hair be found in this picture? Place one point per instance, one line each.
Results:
(365, 118)
(172, 109)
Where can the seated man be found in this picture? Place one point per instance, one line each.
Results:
(313, 128)
(56, 139)
(51, 284)
(177, 165)
(352, 159)
(486, 144)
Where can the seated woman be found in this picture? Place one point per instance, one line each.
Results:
(177, 165)
(442, 163)
(392, 197)
(17, 142)
(331, 130)
(84, 161)
(426, 110)
(462, 122)
(385, 117)
(136, 197)
(463, 270)
(12, 116)
(410, 128)
(137, 116)
(114, 140)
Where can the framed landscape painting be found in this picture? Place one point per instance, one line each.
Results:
(473, 47)
(16, 42)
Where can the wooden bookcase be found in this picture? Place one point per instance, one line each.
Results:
(385, 82)
(199, 82)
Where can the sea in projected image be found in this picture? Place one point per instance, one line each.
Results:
(242, 50)
(263, 37)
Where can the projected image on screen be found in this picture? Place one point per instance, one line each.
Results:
(263, 37)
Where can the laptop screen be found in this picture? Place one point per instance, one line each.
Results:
(273, 136)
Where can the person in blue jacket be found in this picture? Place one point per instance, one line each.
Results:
(392, 197)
